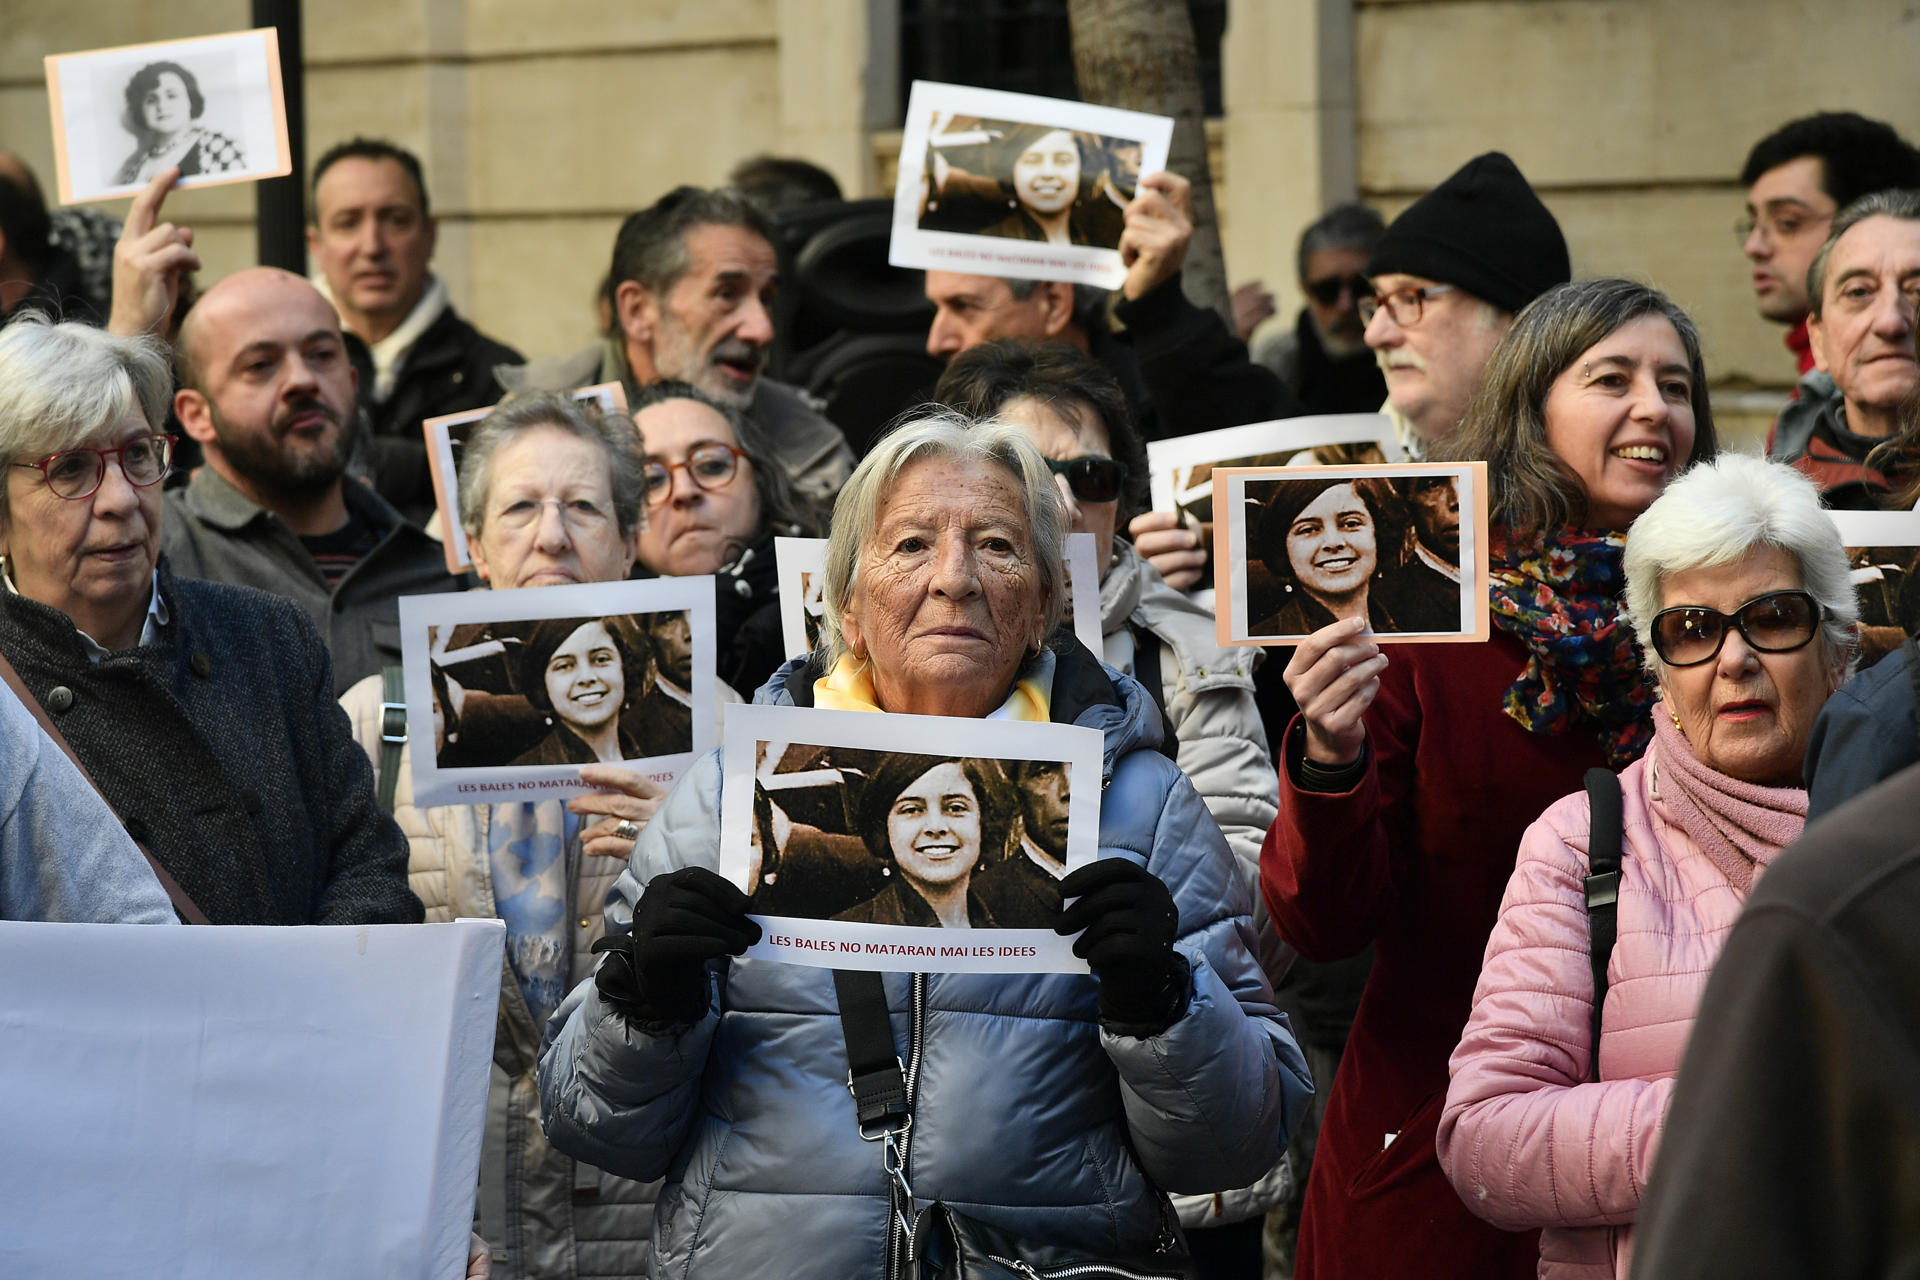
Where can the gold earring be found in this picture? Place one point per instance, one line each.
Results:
(1676, 722)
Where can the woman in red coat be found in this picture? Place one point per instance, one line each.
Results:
(1405, 784)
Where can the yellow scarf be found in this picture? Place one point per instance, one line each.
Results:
(849, 687)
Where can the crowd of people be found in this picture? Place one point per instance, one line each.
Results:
(1394, 955)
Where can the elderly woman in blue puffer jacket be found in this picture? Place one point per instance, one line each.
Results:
(1055, 1107)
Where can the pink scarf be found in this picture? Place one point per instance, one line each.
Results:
(1740, 826)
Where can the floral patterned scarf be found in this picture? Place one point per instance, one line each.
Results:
(1559, 593)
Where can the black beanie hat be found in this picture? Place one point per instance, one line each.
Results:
(1482, 230)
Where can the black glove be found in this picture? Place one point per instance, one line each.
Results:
(658, 972)
(1130, 922)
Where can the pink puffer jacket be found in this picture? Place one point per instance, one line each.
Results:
(1525, 1138)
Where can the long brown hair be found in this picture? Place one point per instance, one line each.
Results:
(1506, 425)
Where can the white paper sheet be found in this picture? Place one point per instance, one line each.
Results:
(230, 1103)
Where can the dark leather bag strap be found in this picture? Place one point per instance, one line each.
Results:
(184, 907)
(393, 732)
(1604, 841)
(875, 1075)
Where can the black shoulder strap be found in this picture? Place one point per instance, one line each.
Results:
(393, 731)
(1146, 670)
(1603, 888)
(875, 1075)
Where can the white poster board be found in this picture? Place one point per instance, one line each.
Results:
(213, 1103)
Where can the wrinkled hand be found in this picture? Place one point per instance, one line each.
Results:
(658, 972)
(1130, 923)
(1172, 545)
(1334, 677)
(1252, 307)
(1159, 225)
(150, 263)
(624, 796)
(479, 1259)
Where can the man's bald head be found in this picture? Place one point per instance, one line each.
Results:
(15, 170)
(240, 300)
(266, 386)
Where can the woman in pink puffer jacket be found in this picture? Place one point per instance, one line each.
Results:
(1738, 589)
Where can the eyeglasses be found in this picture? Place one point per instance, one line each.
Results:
(1327, 292)
(1780, 224)
(578, 514)
(1404, 305)
(709, 466)
(1092, 479)
(1780, 622)
(75, 474)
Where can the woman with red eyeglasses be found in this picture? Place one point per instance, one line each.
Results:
(203, 712)
(1740, 594)
(715, 506)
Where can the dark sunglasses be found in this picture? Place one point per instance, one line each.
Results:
(1091, 479)
(1327, 292)
(1780, 622)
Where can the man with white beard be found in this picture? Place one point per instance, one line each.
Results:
(1448, 277)
(690, 297)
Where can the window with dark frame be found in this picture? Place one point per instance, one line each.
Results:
(1023, 46)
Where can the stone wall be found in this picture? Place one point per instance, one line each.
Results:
(542, 124)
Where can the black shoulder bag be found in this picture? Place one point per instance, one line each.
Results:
(938, 1242)
(1604, 842)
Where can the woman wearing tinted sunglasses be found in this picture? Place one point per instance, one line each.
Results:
(1411, 773)
(1739, 591)
(1070, 406)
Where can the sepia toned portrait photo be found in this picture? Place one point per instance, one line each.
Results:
(868, 840)
(999, 183)
(1304, 547)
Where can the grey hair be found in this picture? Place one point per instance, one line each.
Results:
(579, 418)
(1717, 513)
(63, 385)
(934, 433)
(1895, 203)
(1345, 226)
(1089, 301)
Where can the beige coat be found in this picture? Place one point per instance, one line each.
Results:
(544, 1215)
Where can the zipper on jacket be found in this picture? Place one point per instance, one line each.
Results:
(1078, 1269)
(897, 1241)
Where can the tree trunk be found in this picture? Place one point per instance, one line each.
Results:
(1140, 54)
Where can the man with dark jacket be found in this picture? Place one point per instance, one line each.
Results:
(1324, 358)
(1789, 1143)
(1182, 368)
(690, 299)
(372, 240)
(1861, 287)
(267, 391)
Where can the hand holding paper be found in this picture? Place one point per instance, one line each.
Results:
(150, 262)
(624, 796)
(1334, 676)
(658, 973)
(1130, 922)
(1171, 546)
(1159, 226)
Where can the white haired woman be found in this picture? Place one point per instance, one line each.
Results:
(1739, 592)
(1050, 1105)
(550, 494)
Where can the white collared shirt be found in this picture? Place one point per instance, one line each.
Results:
(149, 630)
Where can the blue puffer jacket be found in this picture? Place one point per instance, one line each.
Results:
(1029, 1115)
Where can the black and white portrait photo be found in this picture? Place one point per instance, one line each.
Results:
(528, 690)
(211, 107)
(914, 842)
(1008, 184)
(1400, 546)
